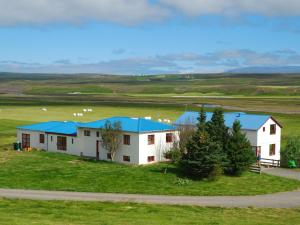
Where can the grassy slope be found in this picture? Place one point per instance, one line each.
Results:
(60, 213)
(55, 171)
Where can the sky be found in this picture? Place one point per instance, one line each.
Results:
(147, 36)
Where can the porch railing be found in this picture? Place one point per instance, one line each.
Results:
(270, 162)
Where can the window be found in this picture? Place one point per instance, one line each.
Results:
(264, 129)
(51, 138)
(272, 149)
(61, 143)
(42, 138)
(126, 139)
(87, 133)
(25, 140)
(273, 129)
(72, 141)
(169, 137)
(151, 139)
(151, 158)
(126, 158)
(98, 134)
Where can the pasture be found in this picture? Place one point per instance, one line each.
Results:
(25, 212)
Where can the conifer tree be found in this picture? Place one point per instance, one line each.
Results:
(203, 158)
(217, 129)
(239, 153)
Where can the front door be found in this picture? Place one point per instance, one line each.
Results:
(258, 151)
(25, 140)
(97, 150)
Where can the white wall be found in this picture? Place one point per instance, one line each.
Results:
(264, 139)
(138, 150)
(72, 148)
(34, 138)
(158, 149)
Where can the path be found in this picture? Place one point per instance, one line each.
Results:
(278, 200)
(287, 173)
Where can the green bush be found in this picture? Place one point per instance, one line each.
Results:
(174, 154)
(291, 152)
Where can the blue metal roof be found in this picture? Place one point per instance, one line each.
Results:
(137, 125)
(57, 127)
(248, 121)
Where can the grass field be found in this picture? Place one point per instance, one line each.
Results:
(25, 212)
(55, 171)
(12, 116)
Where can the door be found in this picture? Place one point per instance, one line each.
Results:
(258, 151)
(25, 140)
(97, 150)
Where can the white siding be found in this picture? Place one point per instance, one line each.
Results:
(34, 138)
(264, 139)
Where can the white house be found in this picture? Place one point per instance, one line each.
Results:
(143, 141)
(263, 131)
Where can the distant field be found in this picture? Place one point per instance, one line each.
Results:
(25, 212)
(12, 116)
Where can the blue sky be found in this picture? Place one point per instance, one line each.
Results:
(147, 37)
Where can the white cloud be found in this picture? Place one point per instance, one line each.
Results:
(37, 12)
(236, 7)
(14, 12)
(170, 63)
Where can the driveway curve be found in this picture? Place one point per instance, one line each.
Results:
(278, 200)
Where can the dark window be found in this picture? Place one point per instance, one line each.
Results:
(108, 155)
(272, 149)
(169, 137)
(126, 139)
(151, 139)
(98, 134)
(126, 158)
(151, 158)
(273, 129)
(25, 140)
(72, 141)
(61, 143)
(42, 138)
(264, 129)
(51, 138)
(87, 133)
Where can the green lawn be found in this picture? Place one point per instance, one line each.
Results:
(55, 171)
(25, 212)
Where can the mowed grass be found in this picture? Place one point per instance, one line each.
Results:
(56, 171)
(26, 212)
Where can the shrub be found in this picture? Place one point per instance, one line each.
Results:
(291, 150)
(174, 154)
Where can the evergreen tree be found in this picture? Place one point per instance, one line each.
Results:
(217, 129)
(203, 158)
(239, 152)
